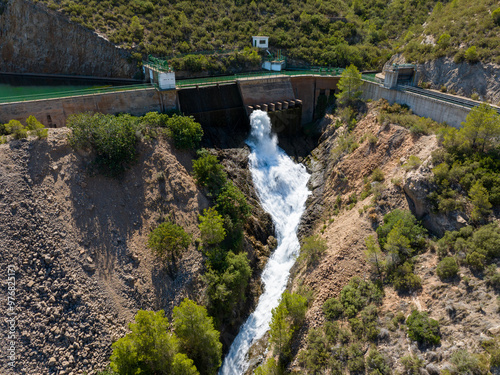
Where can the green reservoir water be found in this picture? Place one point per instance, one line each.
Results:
(22, 88)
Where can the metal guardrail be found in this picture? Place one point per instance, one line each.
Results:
(243, 76)
(443, 97)
(70, 93)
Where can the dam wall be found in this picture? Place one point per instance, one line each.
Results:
(54, 112)
(36, 39)
(421, 105)
(309, 89)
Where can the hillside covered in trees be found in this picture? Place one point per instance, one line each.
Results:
(327, 33)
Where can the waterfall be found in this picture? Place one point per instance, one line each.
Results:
(282, 189)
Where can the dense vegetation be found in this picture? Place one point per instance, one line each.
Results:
(467, 168)
(113, 139)
(152, 348)
(336, 33)
(467, 31)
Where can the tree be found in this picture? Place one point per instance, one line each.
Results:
(269, 368)
(280, 331)
(480, 199)
(36, 127)
(349, 84)
(227, 286)
(185, 131)
(211, 227)
(481, 129)
(422, 329)
(207, 171)
(168, 241)
(198, 337)
(447, 268)
(374, 256)
(232, 202)
(150, 348)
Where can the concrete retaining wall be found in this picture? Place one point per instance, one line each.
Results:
(265, 90)
(54, 112)
(440, 111)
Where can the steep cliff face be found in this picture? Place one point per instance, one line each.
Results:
(462, 78)
(35, 39)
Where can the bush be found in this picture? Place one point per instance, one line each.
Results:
(422, 329)
(211, 227)
(377, 175)
(358, 294)
(467, 363)
(404, 280)
(150, 348)
(36, 127)
(231, 202)
(412, 364)
(412, 163)
(197, 336)
(312, 249)
(208, 172)
(112, 138)
(168, 241)
(492, 276)
(376, 363)
(496, 16)
(447, 268)
(185, 131)
(227, 283)
(17, 129)
(333, 309)
(471, 55)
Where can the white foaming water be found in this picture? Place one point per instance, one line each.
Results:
(282, 188)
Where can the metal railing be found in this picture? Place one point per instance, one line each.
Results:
(70, 93)
(253, 75)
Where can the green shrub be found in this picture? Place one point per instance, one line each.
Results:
(447, 268)
(423, 329)
(17, 129)
(404, 280)
(468, 363)
(412, 364)
(312, 249)
(496, 16)
(211, 227)
(231, 202)
(376, 363)
(112, 138)
(185, 131)
(377, 175)
(150, 347)
(36, 127)
(358, 294)
(492, 276)
(356, 360)
(208, 172)
(407, 226)
(227, 284)
(471, 55)
(197, 336)
(269, 368)
(412, 163)
(333, 309)
(168, 241)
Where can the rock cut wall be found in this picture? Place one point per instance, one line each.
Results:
(35, 39)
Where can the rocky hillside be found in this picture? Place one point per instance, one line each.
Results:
(353, 190)
(63, 47)
(77, 244)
